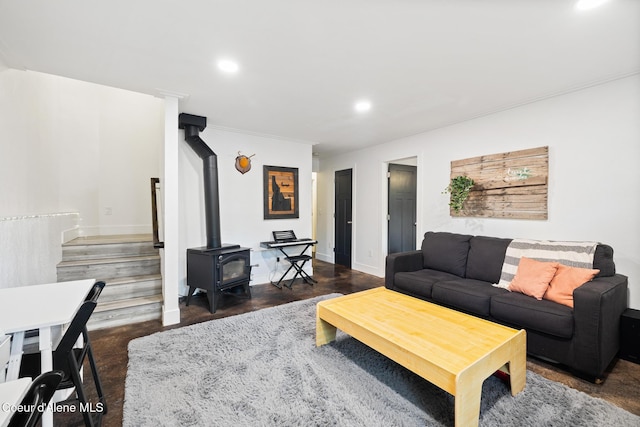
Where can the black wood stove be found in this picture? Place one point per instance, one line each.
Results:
(215, 268)
(220, 270)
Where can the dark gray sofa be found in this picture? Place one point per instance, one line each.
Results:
(457, 271)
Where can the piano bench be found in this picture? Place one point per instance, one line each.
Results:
(298, 258)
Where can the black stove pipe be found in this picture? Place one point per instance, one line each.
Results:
(192, 126)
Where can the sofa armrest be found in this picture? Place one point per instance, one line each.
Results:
(403, 261)
(598, 305)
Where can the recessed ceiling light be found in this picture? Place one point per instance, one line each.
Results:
(362, 106)
(228, 66)
(589, 4)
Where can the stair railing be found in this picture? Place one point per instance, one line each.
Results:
(155, 184)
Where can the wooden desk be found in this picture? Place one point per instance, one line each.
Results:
(45, 307)
(451, 350)
(11, 394)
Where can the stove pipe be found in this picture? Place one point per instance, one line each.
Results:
(192, 126)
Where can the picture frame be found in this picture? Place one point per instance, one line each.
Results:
(280, 192)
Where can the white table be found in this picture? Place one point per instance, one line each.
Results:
(11, 394)
(5, 353)
(45, 307)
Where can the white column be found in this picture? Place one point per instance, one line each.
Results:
(169, 187)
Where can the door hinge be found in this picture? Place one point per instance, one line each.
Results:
(388, 217)
(388, 174)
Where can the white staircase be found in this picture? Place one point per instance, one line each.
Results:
(130, 267)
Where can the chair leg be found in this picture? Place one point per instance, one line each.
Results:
(310, 280)
(303, 274)
(96, 380)
(82, 398)
(85, 405)
(297, 268)
(283, 276)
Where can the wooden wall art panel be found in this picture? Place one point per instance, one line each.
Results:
(507, 185)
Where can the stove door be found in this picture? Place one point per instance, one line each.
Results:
(234, 269)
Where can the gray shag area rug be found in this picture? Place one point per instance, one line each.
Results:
(263, 369)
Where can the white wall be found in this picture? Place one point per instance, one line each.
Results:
(70, 146)
(241, 197)
(73, 148)
(594, 149)
(30, 248)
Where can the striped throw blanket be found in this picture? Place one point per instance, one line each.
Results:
(573, 254)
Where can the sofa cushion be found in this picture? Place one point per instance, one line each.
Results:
(472, 296)
(486, 256)
(419, 283)
(446, 252)
(603, 261)
(525, 312)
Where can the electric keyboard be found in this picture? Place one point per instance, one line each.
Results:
(285, 239)
(274, 244)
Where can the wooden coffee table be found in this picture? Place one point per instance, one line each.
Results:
(452, 350)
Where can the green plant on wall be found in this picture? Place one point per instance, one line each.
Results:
(459, 190)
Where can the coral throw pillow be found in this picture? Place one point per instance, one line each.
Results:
(565, 281)
(533, 277)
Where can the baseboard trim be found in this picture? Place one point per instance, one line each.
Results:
(70, 234)
(369, 269)
(170, 317)
(325, 257)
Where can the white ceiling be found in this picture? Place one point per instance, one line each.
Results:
(423, 64)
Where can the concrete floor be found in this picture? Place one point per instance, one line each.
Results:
(621, 386)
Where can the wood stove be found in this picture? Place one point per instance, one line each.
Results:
(215, 268)
(218, 271)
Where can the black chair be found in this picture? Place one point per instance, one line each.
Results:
(97, 288)
(30, 336)
(297, 261)
(37, 398)
(70, 360)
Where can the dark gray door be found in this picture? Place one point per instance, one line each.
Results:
(402, 208)
(343, 218)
